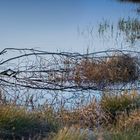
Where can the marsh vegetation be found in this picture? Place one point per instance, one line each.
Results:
(72, 96)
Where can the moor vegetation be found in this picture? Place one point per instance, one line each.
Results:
(115, 114)
(72, 96)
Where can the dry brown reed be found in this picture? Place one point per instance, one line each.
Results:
(116, 69)
(129, 123)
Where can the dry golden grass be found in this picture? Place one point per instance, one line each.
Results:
(116, 104)
(129, 123)
(71, 134)
(80, 117)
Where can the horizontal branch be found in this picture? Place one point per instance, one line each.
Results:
(64, 71)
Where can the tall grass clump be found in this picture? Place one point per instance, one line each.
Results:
(121, 136)
(114, 104)
(71, 134)
(84, 116)
(129, 123)
(126, 128)
(49, 115)
(17, 122)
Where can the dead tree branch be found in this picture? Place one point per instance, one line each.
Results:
(35, 69)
